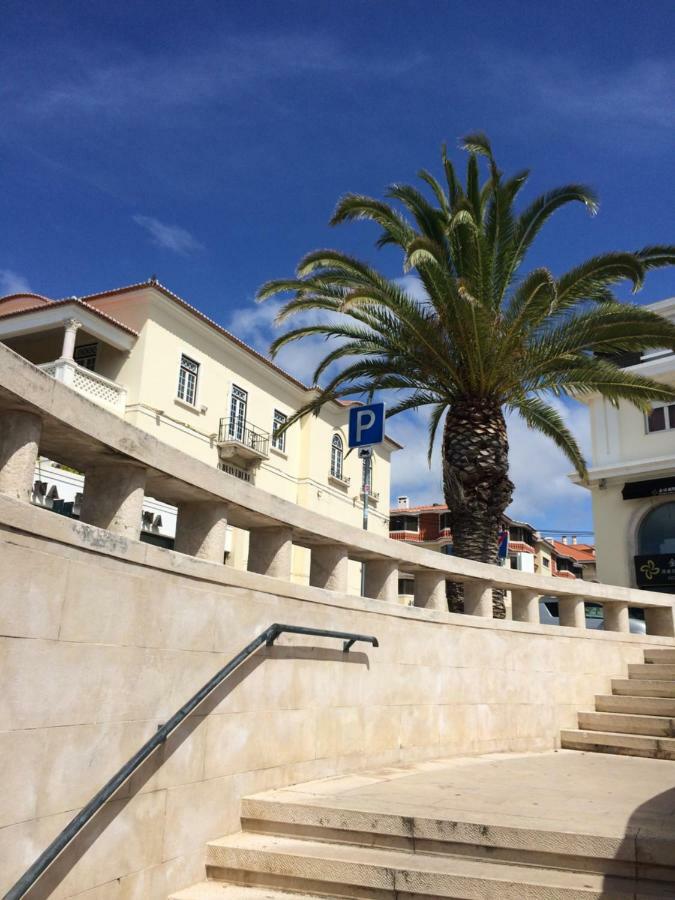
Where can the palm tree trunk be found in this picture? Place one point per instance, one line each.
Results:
(476, 483)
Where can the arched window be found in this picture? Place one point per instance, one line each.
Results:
(336, 454)
(657, 531)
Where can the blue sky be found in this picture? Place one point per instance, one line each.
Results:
(208, 143)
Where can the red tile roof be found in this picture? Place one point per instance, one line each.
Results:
(73, 301)
(578, 552)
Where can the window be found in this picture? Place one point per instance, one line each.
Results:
(187, 380)
(85, 356)
(336, 454)
(238, 409)
(279, 442)
(546, 562)
(404, 523)
(444, 521)
(661, 418)
(657, 531)
(406, 586)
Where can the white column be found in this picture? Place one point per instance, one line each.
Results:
(478, 598)
(381, 580)
(19, 443)
(69, 335)
(572, 612)
(525, 606)
(201, 529)
(329, 567)
(112, 498)
(616, 617)
(270, 551)
(430, 590)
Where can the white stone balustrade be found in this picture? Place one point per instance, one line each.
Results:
(90, 384)
(121, 461)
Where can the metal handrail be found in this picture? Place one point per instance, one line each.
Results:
(268, 637)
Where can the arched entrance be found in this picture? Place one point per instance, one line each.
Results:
(655, 562)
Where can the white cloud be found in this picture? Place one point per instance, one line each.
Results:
(227, 67)
(12, 283)
(169, 237)
(255, 324)
(641, 93)
(543, 494)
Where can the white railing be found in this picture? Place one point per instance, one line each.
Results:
(90, 384)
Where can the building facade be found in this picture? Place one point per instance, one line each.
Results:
(164, 366)
(632, 479)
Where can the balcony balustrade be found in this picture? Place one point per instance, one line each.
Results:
(238, 439)
(90, 384)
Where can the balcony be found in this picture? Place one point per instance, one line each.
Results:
(238, 439)
(373, 496)
(90, 384)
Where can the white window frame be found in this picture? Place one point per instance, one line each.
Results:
(666, 416)
(238, 398)
(278, 419)
(337, 457)
(188, 380)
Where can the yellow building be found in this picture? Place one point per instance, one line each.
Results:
(170, 370)
(632, 479)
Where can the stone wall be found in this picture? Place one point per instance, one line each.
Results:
(105, 637)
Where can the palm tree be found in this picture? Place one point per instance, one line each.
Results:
(488, 337)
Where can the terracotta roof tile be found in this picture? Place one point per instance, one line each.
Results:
(74, 301)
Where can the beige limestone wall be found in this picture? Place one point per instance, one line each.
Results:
(104, 638)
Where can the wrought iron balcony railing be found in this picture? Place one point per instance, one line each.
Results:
(236, 437)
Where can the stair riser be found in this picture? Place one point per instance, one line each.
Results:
(663, 657)
(652, 672)
(639, 706)
(400, 884)
(651, 726)
(604, 863)
(637, 688)
(649, 750)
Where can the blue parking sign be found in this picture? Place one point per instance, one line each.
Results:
(366, 425)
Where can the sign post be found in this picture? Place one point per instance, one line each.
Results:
(366, 454)
(366, 428)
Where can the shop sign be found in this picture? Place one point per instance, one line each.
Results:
(655, 487)
(655, 570)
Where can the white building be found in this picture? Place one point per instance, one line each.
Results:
(632, 479)
(146, 354)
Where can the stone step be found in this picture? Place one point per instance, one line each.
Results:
(218, 890)
(641, 706)
(627, 723)
(652, 671)
(639, 688)
(498, 839)
(624, 744)
(660, 656)
(364, 872)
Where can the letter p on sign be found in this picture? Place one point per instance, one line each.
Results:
(366, 425)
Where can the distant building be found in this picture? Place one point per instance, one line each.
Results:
(148, 356)
(632, 479)
(528, 550)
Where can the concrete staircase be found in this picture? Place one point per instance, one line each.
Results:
(319, 850)
(637, 718)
